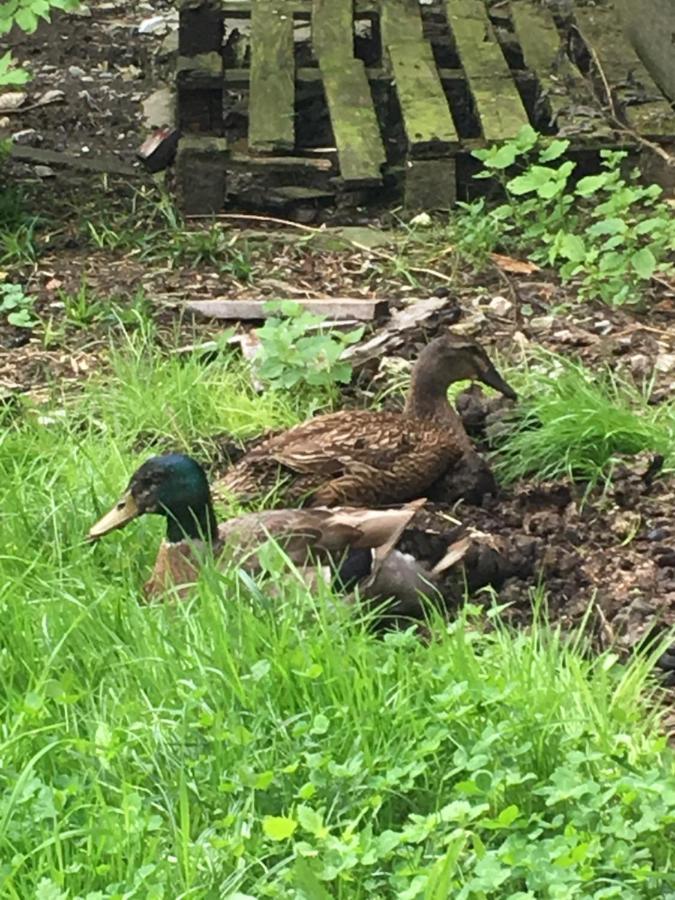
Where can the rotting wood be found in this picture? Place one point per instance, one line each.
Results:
(633, 90)
(199, 100)
(201, 174)
(567, 95)
(426, 115)
(498, 103)
(430, 184)
(200, 27)
(109, 165)
(301, 9)
(353, 118)
(272, 92)
(253, 310)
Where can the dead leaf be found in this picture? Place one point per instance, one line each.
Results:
(515, 266)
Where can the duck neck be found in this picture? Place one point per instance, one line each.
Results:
(192, 523)
(428, 400)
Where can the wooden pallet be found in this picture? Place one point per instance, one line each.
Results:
(399, 111)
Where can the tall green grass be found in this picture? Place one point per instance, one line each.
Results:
(573, 421)
(258, 740)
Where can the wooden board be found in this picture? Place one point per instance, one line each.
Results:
(356, 130)
(567, 95)
(254, 310)
(272, 92)
(426, 115)
(498, 104)
(627, 77)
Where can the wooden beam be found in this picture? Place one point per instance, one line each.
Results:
(634, 92)
(271, 102)
(353, 118)
(567, 95)
(428, 124)
(254, 310)
(498, 105)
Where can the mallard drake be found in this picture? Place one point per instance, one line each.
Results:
(175, 486)
(359, 457)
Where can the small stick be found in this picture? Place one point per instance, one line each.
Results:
(252, 218)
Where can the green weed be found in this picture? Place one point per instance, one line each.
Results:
(17, 306)
(607, 231)
(299, 350)
(573, 422)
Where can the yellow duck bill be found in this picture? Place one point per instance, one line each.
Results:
(120, 515)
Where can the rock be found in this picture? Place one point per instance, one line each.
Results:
(28, 137)
(665, 362)
(44, 172)
(640, 364)
(153, 25)
(500, 306)
(12, 100)
(5, 121)
(76, 71)
(471, 324)
(423, 220)
(542, 323)
(158, 108)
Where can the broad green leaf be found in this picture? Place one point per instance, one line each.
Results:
(643, 262)
(554, 150)
(572, 247)
(311, 821)
(591, 184)
(279, 828)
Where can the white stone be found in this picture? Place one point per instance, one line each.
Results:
(500, 306)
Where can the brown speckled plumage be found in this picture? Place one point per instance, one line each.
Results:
(368, 458)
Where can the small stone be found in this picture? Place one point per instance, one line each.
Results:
(542, 323)
(640, 364)
(603, 326)
(5, 122)
(500, 306)
(44, 172)
(28, 137)
(423, 220)
(153, 25)
(76, 71)
(657, 534)
(665, 362)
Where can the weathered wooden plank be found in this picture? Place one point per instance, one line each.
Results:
(634, 92)
(252, 310)
(301, 9)
(566, 94)
(201, 174)
(498, 104)
(430, 184)
(350, 104)
(271, 111)
(199, 89)
(426, 115)
(200, 27)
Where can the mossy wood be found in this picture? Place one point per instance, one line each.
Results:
(567, 95)
(356, 130)
(428, 124)
(634, 92)
(272, 86)
(496, 98)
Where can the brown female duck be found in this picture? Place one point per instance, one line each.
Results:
(358, 457)
(175, 486)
